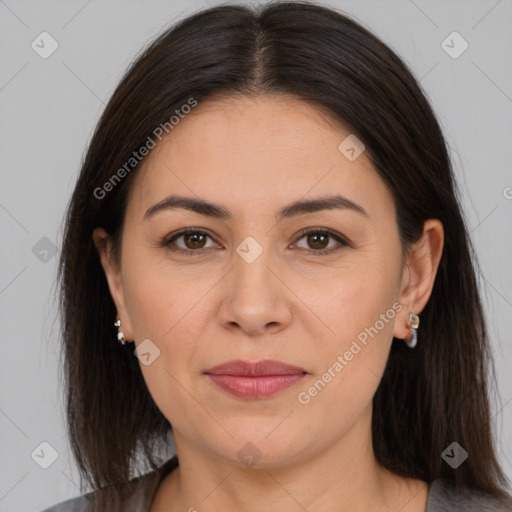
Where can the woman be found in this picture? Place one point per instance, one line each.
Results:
(267, 222)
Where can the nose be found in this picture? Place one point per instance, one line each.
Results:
(255, 300)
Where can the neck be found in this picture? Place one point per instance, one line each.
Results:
(344, 477)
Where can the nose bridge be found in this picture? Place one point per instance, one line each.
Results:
(254, 257)
(255, 298)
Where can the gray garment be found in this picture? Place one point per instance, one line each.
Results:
(145, 487)
(441, 497)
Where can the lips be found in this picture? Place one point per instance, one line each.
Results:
(255, 380)
(258, 369)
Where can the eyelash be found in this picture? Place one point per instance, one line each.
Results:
(165, 242)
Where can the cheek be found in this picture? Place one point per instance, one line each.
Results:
(162, 310)
(352, 296)
(359, 307)
(349, 364)
(168, 307)
(157, 294)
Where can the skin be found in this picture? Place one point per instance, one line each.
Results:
(254, 156)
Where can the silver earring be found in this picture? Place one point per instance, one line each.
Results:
(415, 322)
(120, 334)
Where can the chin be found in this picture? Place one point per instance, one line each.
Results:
(253, 448)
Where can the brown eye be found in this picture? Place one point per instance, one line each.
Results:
(194, 240)
(317, 241)
(187, 241)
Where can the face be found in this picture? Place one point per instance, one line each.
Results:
(315, 288)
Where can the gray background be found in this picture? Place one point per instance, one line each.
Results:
(49, 108)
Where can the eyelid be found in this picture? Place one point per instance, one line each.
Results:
(167, 240)
(342, 240)
(334, 234)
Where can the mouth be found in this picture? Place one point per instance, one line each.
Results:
(255, 380)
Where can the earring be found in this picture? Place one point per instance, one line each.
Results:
(120, 334)
(414, 323)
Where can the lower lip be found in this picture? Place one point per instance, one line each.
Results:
(256, 387)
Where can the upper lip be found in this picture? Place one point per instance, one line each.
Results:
(256, 369)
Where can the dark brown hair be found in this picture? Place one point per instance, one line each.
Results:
(428, 397)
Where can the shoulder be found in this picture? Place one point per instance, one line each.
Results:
(143, 489)
(443, 497)
(80, 504)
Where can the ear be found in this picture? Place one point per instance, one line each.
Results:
(112, 270)
(419, 274)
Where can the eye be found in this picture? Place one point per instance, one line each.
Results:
(193, 240)
(319, 240)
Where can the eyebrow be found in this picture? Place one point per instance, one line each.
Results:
(217, 211)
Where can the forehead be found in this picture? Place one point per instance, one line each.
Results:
(263, 150)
